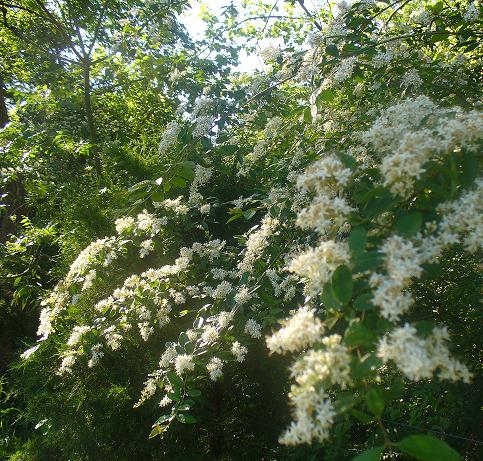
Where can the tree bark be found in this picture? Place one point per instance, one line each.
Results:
(3, 104)
(90, 117)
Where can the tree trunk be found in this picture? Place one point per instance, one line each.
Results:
(3, 105)
(90, 118)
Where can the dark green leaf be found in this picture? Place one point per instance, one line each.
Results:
(357, 240)
(363, 302)
(409, 224)
(427, 448)
(194, 392)
(367, 261)
(185, 418)
(332, 50)
(183, 338)
(157, 430)
(359, 335)
(373, 454)
(342, 284)
(374, 401)
(328, 297)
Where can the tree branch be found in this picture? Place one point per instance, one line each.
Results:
(310, 15)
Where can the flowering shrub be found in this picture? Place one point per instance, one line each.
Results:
(360, 184)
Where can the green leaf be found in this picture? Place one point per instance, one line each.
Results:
(174, 396)
(185, 418)
(162, 419)
(183, 338)
(190, 347)
(359, 335)
(345, 404)
(342, 284)
(367, 260)
(427, 448)
(328, 297)
(186, 405)
(357, 240)
(363, 302)
(373, 454)
(237, 216)
(157, 430)
(364, 418)
(374, 401)
(248, 214)
(365, 366)
(174, 379)
(194, 392)
(378, 205)
(408, 225)
(157, 196)
(332, 50)
(326, 95)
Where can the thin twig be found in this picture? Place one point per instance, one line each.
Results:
(310, 15)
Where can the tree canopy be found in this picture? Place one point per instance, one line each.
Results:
(202, 262)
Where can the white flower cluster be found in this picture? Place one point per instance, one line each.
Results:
(301, 330)
(316, 265)
(270, 133)
(420, 358)
(314, 412)
(256, 243)
(329, 209)
(169, 137)
(340, 73)
(202, 176)
(126, 312)
(183, 363)
(215, 368)
(472, 13)
(239, 351)
(397, 132)
(253, 329)
(270, 53)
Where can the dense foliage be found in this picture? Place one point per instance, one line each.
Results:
(289, 271)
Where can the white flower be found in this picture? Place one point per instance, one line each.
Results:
(168, 355)
(124, 225)
(223, 290)
(146, 247)
(215, 366)
(165, 401)
(169, 137)
(205, 209)
(299, 331)
(421, 17)
(256, 243)
(225, 318)
(96, 354)
(210, 334)
(471, 13)
(243, 295)
(253, 329)
(318, 264)
(419, 358)
(239, 351)
(146, 330)
(182, 363)
(77, 334)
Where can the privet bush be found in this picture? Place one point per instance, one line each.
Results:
(306, 218)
